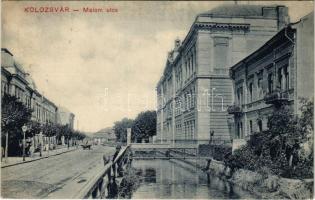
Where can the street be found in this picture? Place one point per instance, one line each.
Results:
(40, 179)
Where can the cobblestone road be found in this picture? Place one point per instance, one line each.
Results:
(41, 178)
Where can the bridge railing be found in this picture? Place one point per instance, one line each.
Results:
(95, 188)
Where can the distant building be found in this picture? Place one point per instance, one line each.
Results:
(65, 117)
(195, 88)
(104, 136)
(280, 71)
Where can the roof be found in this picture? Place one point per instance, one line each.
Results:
(284, 33)
(105, 133)
(7, 51)
(63, 109)
(237, 10)
(31, 82)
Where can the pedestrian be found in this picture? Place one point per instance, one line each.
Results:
(32, 150)
(118, 147)
(112, 188)
(2, 153)
(105, 159)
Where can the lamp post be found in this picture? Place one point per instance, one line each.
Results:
(211, 136)
(24, 129)
(40, 143)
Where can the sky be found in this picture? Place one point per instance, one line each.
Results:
(103, 66)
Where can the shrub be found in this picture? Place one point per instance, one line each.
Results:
(285, 149)
(221, 151)
(218, 152)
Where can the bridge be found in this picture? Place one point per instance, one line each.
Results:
(165, 151)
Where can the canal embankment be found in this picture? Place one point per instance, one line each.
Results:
(174, 179)
(262, 185)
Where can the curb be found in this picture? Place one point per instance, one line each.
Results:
(40, 158)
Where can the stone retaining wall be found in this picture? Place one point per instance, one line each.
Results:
(265, 186)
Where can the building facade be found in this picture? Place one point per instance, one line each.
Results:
(280, 71)
(195, 88)
(65, 117)
(15, 81)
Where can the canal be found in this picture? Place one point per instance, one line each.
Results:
(176, 179)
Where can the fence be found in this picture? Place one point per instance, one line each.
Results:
(96, 188)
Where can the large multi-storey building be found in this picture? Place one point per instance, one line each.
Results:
(16, 82)
(280, 71)
(195, 88)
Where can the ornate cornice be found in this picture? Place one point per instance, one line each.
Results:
(230, 26)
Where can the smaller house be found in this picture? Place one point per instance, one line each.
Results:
(104, 136)
(279, 72)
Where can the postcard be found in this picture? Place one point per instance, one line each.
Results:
(157, 99)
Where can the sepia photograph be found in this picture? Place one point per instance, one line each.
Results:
(157, 99)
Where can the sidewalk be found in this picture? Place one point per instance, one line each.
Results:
(45, 154)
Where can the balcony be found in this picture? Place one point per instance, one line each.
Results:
(276, 97)
(234, 109)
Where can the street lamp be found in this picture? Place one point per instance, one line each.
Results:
(211, 136)
(40, 143)
(24, 129)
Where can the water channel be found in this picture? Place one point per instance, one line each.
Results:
(176, 179)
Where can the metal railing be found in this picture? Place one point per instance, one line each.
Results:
(276, 97)
(234, 109)
(96, 187)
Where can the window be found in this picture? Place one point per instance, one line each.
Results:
(250, 126)
(270, 83)
(16, 93)
(192, 63)
(185, 129)
(286, 78)
(3, 89)
(259, 86)
(238, 130)
(193, 129)
(280, 79)
(259, 125)
(186, 70)
(220, 52)
(240, 95)
(250, 88)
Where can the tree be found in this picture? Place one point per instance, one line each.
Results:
(144, 125)
(14, 114)
(35, 127)
(120, 129)
(285, 149)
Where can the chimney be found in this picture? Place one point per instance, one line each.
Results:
(283, 17)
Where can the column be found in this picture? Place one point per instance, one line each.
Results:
(162, 111)
(173, 105)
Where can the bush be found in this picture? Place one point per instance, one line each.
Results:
(285, 149)
(218, 152)
(221, 151)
